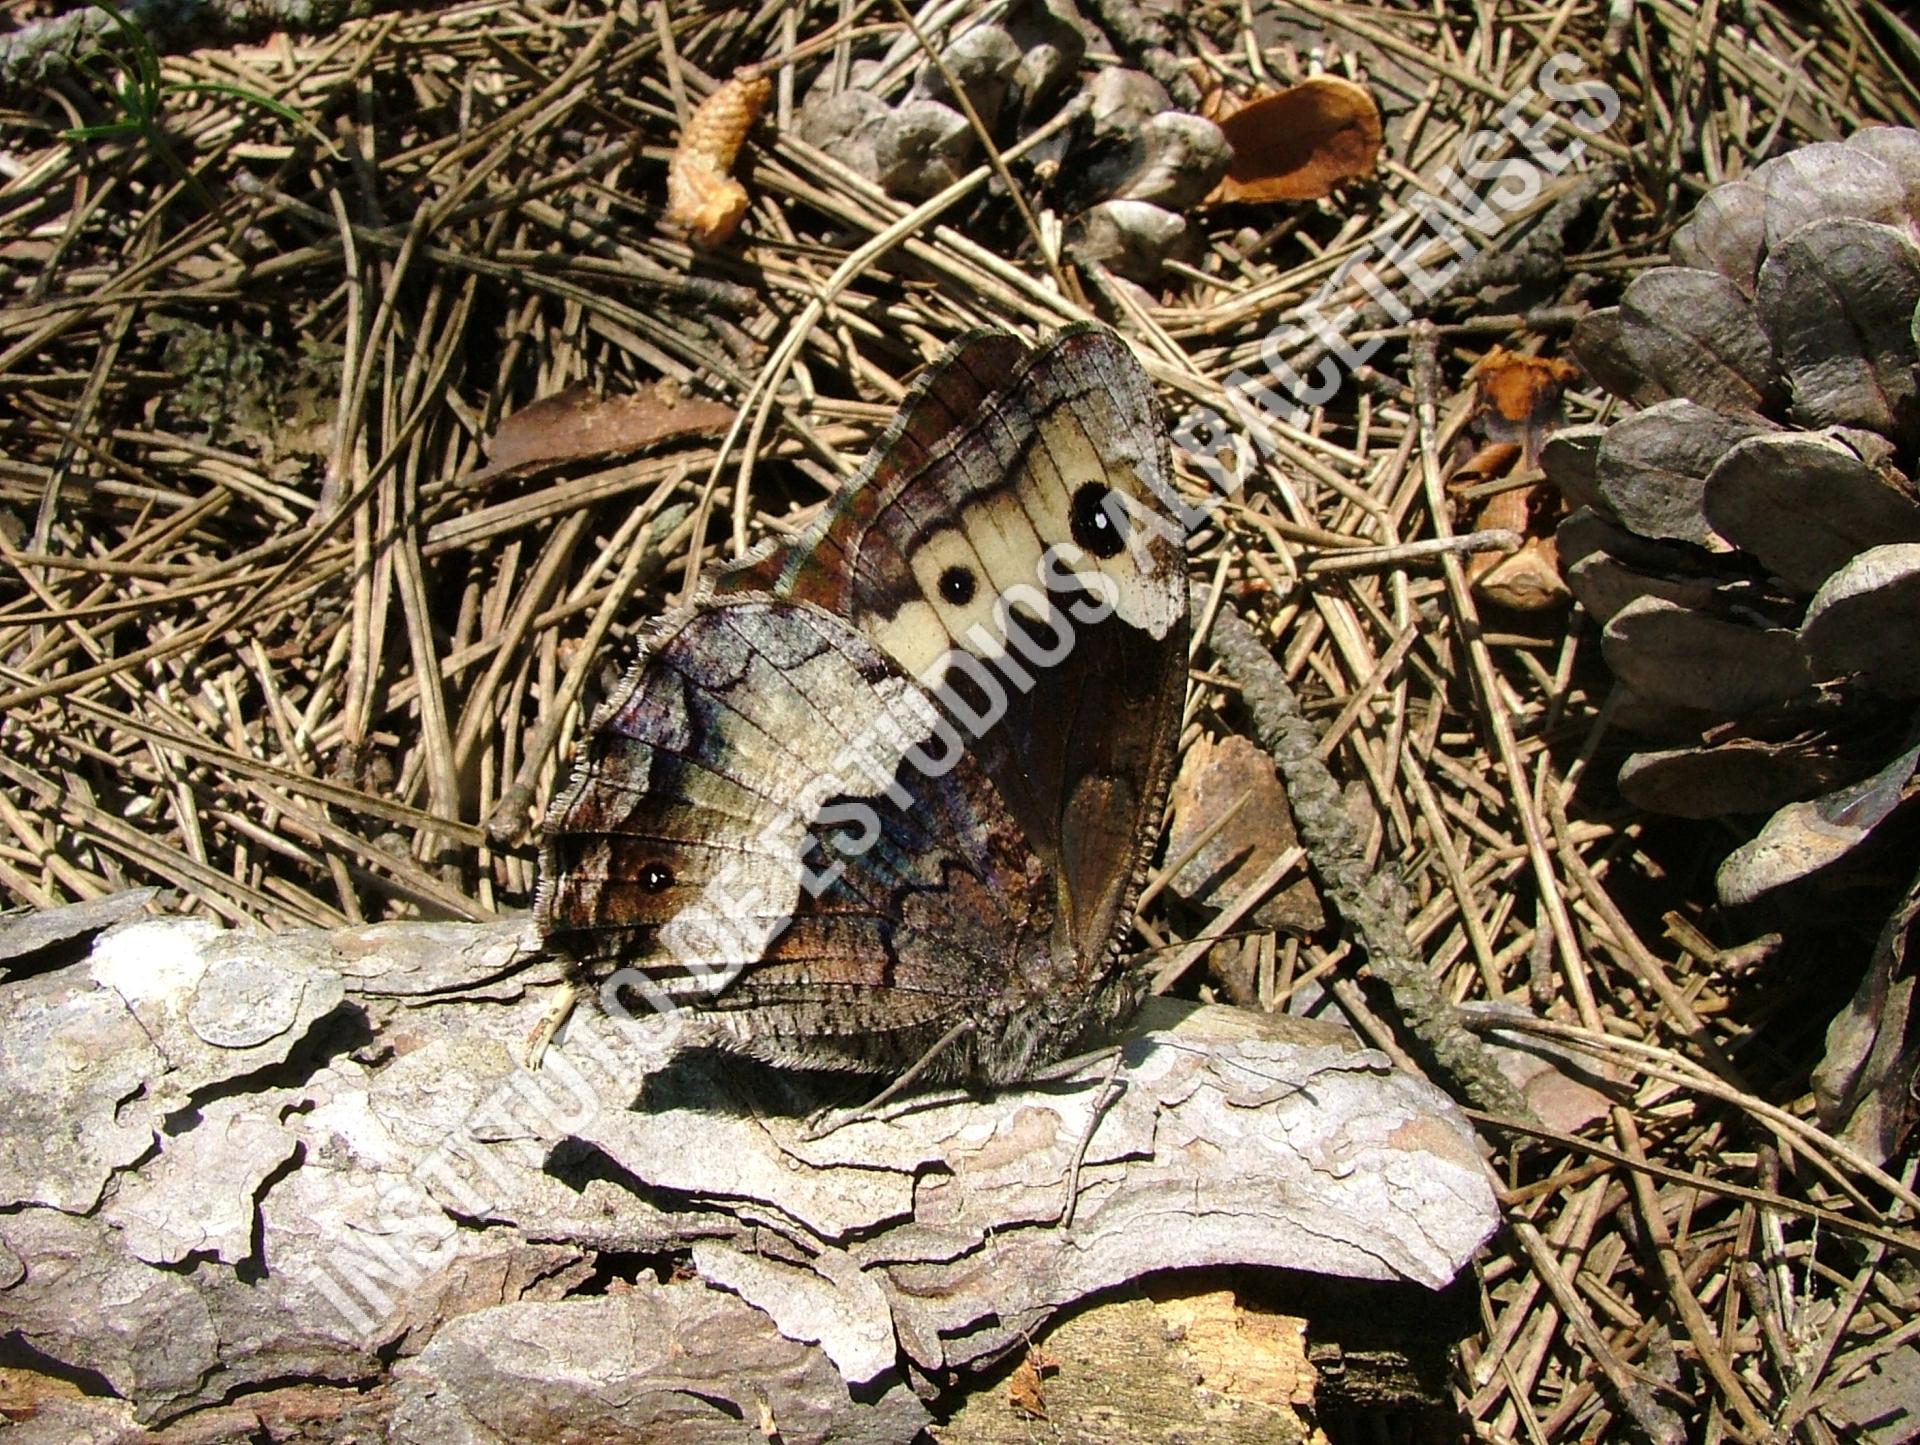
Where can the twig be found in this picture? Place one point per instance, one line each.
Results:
(1372, 901)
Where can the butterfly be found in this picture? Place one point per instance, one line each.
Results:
(884, 796)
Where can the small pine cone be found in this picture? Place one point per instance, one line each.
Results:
(703, 198)
(1749, 534)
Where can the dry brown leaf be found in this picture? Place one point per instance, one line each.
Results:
(1302, 144)
(1215, 776)
(1516, 509)
(575, 425)
(1491, 462)
(1516, 399)
(1566, 1088)
(703, 198)
(1528, 580)
(1025, 1392)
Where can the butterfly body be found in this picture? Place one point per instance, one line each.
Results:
(892, 788)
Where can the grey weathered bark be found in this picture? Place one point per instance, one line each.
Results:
(293, 1186)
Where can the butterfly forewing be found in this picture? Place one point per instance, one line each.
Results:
(943, 547)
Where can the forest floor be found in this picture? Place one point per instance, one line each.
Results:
(289, 630)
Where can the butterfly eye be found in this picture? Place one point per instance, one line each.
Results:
(956, 585)
(656, 877)
(1094, 527)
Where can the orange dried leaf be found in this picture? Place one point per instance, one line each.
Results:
(575, 425)
(703, 198)
(1302, 144)
(1517, 398)
(1024, 1391)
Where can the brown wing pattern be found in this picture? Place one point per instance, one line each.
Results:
(680, 844)
(995, 891)
(1063, 450)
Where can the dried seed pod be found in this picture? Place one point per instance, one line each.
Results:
(983, 62)
(1174, 159)
(703, 198)
(1526, 579)
(922, 148)
(1052, 43)
(1121, 100)
(846, 124)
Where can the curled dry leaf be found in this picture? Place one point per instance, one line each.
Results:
(1025, 1392)
(1516, 404)
(575, 425)
(1517, 398)
(1525, 580)
(1302, 144)
(1214, 778)
(703, 198)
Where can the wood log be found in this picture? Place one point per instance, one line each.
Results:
(303, 1186)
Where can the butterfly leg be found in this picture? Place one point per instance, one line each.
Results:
(826, 1121)
(549, 1024)
(1110, 1089)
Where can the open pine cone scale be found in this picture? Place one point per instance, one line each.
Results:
(1749, 533)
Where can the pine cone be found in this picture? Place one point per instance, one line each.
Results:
(1123, 171)
(1749, 534)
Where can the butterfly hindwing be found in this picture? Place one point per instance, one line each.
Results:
(774, 820)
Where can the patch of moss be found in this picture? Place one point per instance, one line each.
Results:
(243, 387)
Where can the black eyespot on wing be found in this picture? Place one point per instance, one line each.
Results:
(1095, 528)
(957, 585)
(656, 878)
